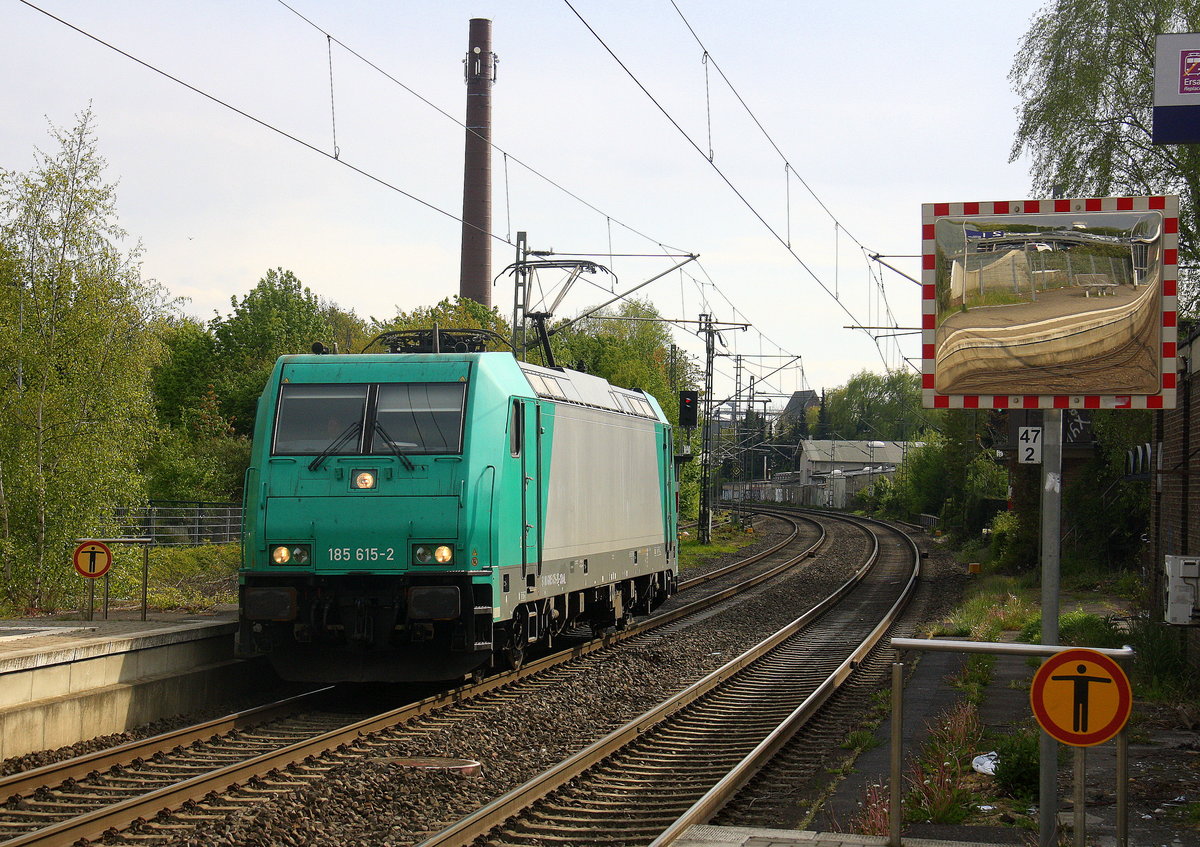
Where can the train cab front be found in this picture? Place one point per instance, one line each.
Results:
(366, 627)
(355, 563)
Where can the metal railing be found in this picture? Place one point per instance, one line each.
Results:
(183, 522)
(993, 648)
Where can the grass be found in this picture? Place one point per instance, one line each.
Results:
(861, 739)
(186, 578)
(1189, 813)
(939, 780)
(976, 676)
(940, 784)
(994, 604)
(190, 579)
(725, 539)
(873, 816)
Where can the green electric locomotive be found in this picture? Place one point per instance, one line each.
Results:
(419, 516)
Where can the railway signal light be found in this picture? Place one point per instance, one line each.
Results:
(689, 407)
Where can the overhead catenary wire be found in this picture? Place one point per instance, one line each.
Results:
(710, 60)
(335, 155)
(788, 168)
(670, 252)
(425, 100)
(264, 124)
(332, 99)
(718, 170)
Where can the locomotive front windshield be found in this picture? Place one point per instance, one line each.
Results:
(370, 418)
(419, 418)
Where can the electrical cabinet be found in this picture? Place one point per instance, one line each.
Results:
(1183, 590)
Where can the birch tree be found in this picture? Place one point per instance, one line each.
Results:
(74, 365)
(1085, 75)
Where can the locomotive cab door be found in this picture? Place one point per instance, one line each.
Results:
(530, 415)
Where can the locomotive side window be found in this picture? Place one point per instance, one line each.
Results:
(419, 418)
(314, 417)
(516, 429)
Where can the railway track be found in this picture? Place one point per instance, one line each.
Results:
(97, 794)
(681, 762)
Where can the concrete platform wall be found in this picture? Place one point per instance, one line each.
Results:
(57, 694)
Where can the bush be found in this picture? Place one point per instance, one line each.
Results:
(1085, 629)
(1014, 547)
(190, 578)
(1078, 629)
(1159, 668)
(1017, 771)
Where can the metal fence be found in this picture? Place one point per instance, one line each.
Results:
(183, 522)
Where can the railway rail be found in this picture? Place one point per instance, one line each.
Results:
(97, 794)
(682, 761)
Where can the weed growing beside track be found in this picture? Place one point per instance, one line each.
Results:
(941, 787)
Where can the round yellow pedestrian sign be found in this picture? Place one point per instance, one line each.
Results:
(92, 559)
(1081, 697)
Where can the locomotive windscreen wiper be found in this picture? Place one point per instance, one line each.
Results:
(395, 445)
(348, 433)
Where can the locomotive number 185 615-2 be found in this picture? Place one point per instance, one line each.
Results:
(361, 554)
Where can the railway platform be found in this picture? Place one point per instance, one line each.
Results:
(63, 681)
(737, 836)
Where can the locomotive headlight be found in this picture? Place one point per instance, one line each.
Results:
(428, 554)
(295, 554)
(363, 479)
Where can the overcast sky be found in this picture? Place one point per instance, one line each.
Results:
(877, 106)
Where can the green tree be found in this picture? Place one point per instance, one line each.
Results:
(203, 458)
(1104, 512)
(952, 472)
(975, 483)
(76, 356)
(922, 486)
(187, 369)
(449, 313)
(824, 429)
(786, 444)
(1085, 75)
(872, 406)
(348, 333)
(628, 344)
(279, 316)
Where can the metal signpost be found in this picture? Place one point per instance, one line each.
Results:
(1009, 322)
(93, 559)
(1082, 698)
